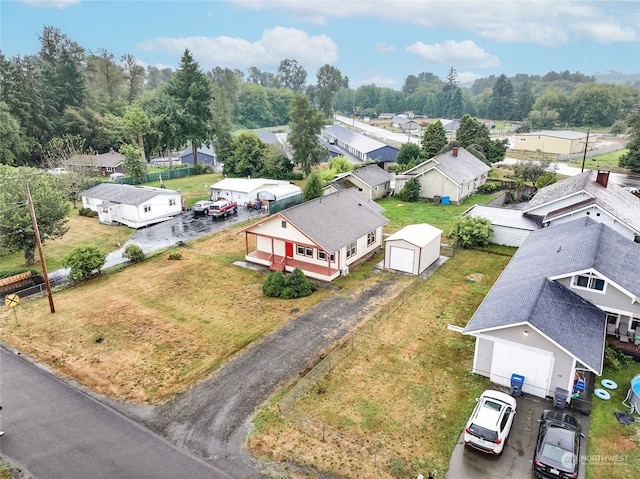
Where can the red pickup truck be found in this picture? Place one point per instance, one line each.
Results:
(223, 208)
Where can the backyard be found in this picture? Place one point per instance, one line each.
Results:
(144, 333)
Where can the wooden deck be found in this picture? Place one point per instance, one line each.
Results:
(628, 348)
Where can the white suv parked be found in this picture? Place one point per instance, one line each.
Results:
(490, 423)
(202, 207)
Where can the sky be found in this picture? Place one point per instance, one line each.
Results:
(377, 42)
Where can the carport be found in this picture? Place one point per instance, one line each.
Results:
(412, 249)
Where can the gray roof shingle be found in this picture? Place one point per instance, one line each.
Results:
(461, 169)
(372, 175)
(336, 220)
(524, 291)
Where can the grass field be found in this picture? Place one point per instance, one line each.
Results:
(163, 328)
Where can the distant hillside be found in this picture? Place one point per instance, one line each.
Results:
(618, 78)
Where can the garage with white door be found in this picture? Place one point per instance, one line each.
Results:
(412, 249)
(534, 364)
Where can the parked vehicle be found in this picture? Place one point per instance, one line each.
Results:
(490, 423)
(202, 207)
(116, 176)
(557, 452)
(223, 208)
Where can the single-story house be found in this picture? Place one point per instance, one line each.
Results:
(404, 123)
(548, 141)
(373, 181)
(360, 146)
(206, 155)
(412, 249)
(323, 237)
(510, 226)
(455, 175)
(133, 206)
(450, 127)
(103, 164)
(589, 194)
(244, 190)
(546, 316)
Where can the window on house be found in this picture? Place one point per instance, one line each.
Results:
(589, 282)
(322, 255)
(351, 250)
(308, 252)
(147, 208)
(300, 250)
(371, 238)
(283, 224)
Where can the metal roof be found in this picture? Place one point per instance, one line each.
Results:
(336, 220)
(126, 194)
(359, 142)
(525, 292)
(499, 216)
(565, 134)
(246, 185)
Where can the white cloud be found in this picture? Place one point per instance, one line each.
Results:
(383, 47)
(275, 45)
(541, 22)
(373, 78)
(58, 4)
(464, 54)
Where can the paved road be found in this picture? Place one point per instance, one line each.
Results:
(56, 431)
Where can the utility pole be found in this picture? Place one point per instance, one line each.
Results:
(39, 245)
(584, 157)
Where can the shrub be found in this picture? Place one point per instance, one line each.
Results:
(471, 232)
(490, 187)
(83, 262)
(411, 191)
(133, 253)
(175, 257)
(295, 285)
(615, 359)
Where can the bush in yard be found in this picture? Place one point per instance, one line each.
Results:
(273, 284)
(84, 261)
(411, 191)
(471, 232)
(294, 285)
(133, 253)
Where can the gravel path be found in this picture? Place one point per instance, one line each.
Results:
(213, 418)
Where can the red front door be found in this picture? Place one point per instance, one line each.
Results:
(288, 250)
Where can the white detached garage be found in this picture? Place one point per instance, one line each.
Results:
(412, 249)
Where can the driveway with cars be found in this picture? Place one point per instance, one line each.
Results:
(516, 461)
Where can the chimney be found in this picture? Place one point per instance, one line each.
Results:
(455, 151)
(603, 178)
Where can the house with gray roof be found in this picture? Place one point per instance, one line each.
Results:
(103, 164)
(359, 146)
(371, 180)
(324, 237)
(206, 155)
(546, 317)
(589, 194)
(133, 206)
(454, 175)
(510, 226)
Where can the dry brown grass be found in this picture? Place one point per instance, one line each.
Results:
(405, 390)
(164, 324)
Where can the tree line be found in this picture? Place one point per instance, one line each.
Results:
(64, 95)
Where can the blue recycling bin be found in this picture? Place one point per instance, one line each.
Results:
(516, 385)
(445, 200)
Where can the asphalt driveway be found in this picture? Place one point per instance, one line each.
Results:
(516, 460)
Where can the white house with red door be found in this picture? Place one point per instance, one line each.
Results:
(324, 237)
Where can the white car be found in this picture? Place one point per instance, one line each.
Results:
(490, 423)
(202, 207)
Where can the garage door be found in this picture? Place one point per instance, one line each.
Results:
(534, 364)
(401, 259)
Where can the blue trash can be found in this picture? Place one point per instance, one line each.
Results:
(516, 385)
(445, 200)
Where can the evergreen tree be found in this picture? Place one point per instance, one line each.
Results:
(524, 101)
(473, 135)
(306, 125)
(248, 156)
(329, 82)
(451, 97)
(313, 187)
(434, 139)
(631, 158)
(408, 153)
(192, 92)
(501, 99)
(222, 127)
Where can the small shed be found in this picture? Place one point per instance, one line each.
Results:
(412, 249)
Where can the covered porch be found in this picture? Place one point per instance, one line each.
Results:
(282, 263)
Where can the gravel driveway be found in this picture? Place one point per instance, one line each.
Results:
(213, 418)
